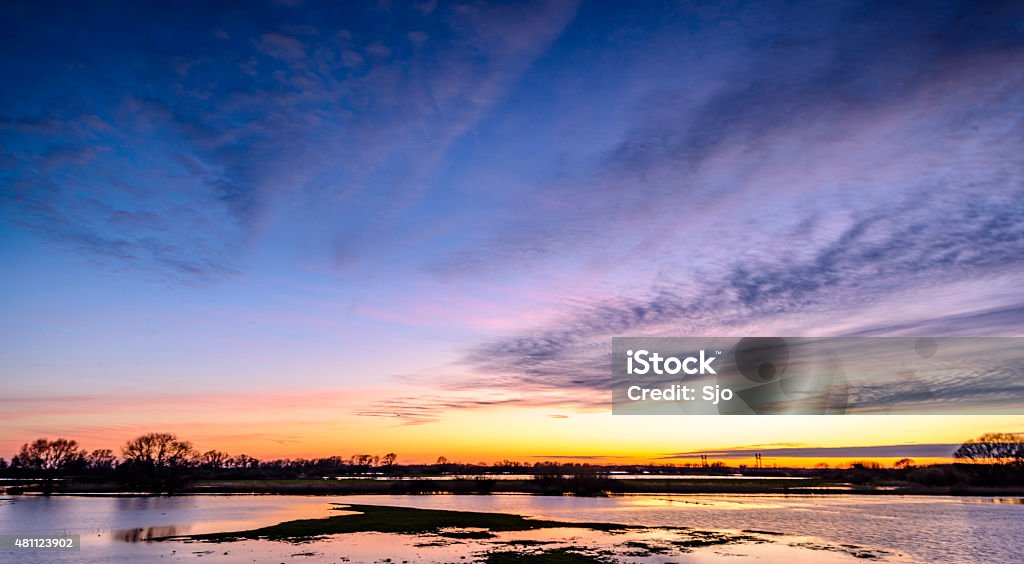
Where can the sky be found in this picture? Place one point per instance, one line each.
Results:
(306, 229)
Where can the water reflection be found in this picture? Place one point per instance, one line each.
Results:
(1009, 500)
(115, 529)
(141, 534)
(530, 477)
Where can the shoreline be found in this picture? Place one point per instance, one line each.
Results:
(500, 537)
(483, 486)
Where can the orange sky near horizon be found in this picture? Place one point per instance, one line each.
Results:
(319, 426)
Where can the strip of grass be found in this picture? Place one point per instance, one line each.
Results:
(401, 520)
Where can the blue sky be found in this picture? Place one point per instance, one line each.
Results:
(456, 200)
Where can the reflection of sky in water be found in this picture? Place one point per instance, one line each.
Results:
(701, 477)
(136, 518)
(927, 528)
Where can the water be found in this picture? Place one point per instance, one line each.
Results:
(948, 529)
(450, 477)
(929, 528)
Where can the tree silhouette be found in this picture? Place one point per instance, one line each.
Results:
(158, 460)
(904, 463)
(993, 448)
(49, 459)
(101, 459)
(244, 461)
(214, 459)
(363, 461)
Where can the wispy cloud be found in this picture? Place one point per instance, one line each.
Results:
(176, 153)
(807, 182)
(428, 408)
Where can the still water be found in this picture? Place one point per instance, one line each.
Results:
(905, 528)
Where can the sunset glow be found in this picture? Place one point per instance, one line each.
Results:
(342, 228)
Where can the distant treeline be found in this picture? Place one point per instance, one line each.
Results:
(160, 462)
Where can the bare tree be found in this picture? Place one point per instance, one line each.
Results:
(158, 459)
(904, 463)
(244, 461)
(101, 459)
(49, 459)
(362, 462)
(388, 462)
(214, 459)
(46, 455)
(993, 448)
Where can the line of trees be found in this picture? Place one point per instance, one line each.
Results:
(160, 462)
(154, 461)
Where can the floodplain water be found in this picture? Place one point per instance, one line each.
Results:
(800, 528)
